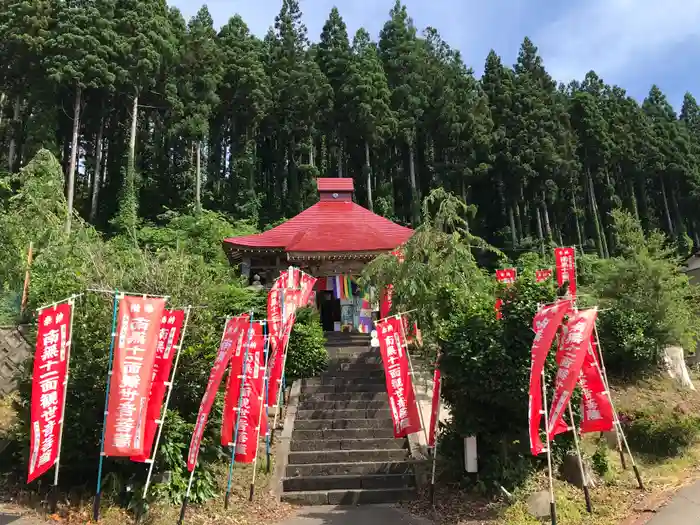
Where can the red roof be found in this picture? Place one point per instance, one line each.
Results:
(329, 226)
(335, 184)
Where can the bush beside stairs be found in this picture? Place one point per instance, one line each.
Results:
(342, 449)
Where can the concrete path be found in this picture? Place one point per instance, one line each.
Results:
(362, 515)
(682, 509)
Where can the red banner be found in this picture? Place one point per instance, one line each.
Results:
(307, 287)
(385, 301)
(48, 387)
(217, 373)
(402, 398)
(542, 275)
(507, 275)
(235, 373)
(276, 365)
(566, 267)
(274, 307)
(595, 406)
(132, 370)
(545, 324)
(573, 353)
(168, 339)
(251, 409)
(435, 407)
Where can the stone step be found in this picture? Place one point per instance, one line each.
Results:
(340, 424)
(355, 375)
(348, 405)
(342, 434)
(341, 380)
(347, 388)
(370, 481)
(351, 365)
(339, 469)
(347, 444)
(350, 396)
(349, 497)
(346, 456)
(371, 413)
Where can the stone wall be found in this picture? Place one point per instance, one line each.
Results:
(14, 349)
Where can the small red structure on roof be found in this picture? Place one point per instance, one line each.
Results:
(334, 227)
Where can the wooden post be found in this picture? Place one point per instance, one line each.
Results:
(25, 290)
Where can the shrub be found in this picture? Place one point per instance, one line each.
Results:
(660, 432)
(307, 355)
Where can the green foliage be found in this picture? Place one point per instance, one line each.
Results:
(175, 260)
(660, 432)
(307, 355)
(599, 460)
(646, 300)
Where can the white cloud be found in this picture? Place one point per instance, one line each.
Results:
(610, 36)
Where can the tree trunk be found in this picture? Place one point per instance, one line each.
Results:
(97, 179)
(13, 135)
(594, 215)
(340, 158)
(73, 156)
(667, 211)
(518, 220)
(677, 212)
(545, 214)
(633, 199)
(539, 229)
(415, 198)
(579, 234)
(513, 232)
(368, 166)
(2, 105)
(131, 160)
(311, 151)
(198, 178)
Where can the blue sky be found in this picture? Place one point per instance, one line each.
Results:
(632, 43)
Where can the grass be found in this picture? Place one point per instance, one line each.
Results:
(616, 499)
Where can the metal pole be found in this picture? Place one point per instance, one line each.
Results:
(98, 494)
(584, 478)
(161, 423)
(552, 501)
(187, 497)
(265, 400)
(257, 432)
(284, 363)
(435, 447)
(604, 375)
(413, 376)
(54, 497)
(616, 420)
(242, 377)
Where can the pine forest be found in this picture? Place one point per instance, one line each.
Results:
(150, 113)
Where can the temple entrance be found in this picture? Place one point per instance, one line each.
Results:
(329, 309)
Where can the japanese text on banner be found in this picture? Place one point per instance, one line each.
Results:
(252, 401)
(545, 324)
(48, 379)
(168, 340)
(233, 382)
(573, 353)
(130, 384)
(215, 376)
(399, 385)
(566, 268)
(595, 405)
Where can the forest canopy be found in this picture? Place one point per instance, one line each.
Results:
(149, 113)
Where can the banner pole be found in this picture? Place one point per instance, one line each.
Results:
(257, 441)
(277, 406)
(244, 371)
(552, 501)
(616, 420)
(98, 493)
(435, 446)
(183, 509)
(68, 344)
(584, 478)
(266, 400)
(161, 423)
(413, 378)
(604, 376)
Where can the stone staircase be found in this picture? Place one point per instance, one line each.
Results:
(342, 450)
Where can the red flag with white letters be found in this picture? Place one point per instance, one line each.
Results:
(566, 267)
(138, 329)
(595, 405)
(48, 386)
(402, 398)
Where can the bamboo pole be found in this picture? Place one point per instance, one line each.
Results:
(435, 446)
(161, 422)
(98, 494)
(242, 377)
(257, 431)
(413, 376)
(54, 496)
(584, 478)
(544, 411)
